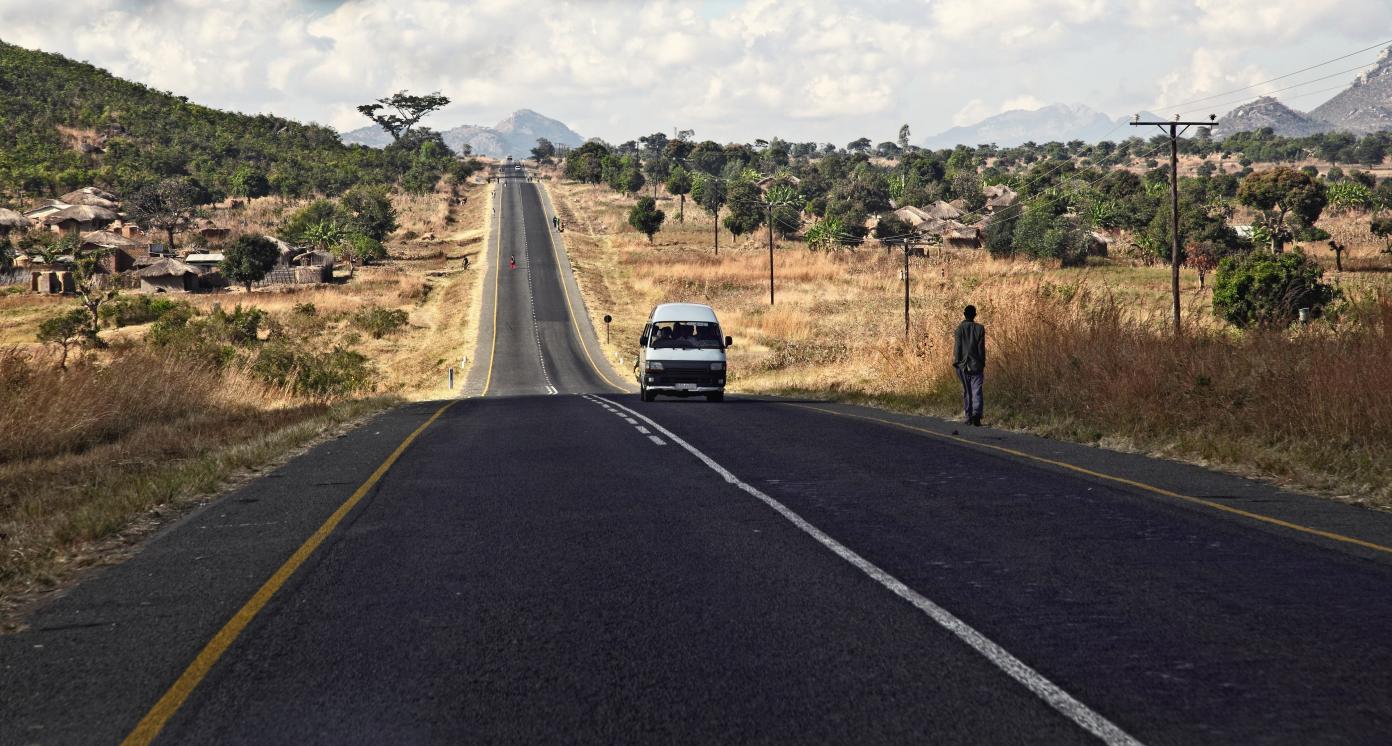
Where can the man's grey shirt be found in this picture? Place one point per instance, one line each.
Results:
(969, 347)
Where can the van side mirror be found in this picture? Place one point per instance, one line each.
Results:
(643, 341)
(729, 342)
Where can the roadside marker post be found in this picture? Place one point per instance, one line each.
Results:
(451, 377)
(607, 319)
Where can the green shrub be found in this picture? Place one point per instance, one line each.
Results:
(1264, 289)
(379, 322)
(128, 310)
(305, 309)
(338, 372)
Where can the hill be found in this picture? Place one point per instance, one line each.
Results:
(514, 136)
(1056, 122)
(67, 124)
(1268, 112)
(1366, 105)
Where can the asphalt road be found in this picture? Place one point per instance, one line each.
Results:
(556, 561)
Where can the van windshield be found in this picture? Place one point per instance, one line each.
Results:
(694, 334)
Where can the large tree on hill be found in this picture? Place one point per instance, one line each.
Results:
(1285, 196)
(248, 259)
(746, 212)
(401, 111)
(679, 185)
(709, 193)
(170, 205)
(861, 145)
(544, 150)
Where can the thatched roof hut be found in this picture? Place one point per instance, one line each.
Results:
(92, 197)
(943, 211)
(81, 214)
(107, 240)
(12, 221)
(168, 275)
(1000, 196)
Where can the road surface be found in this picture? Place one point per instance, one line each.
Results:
(551, 560)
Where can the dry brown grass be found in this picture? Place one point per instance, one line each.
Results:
(84, 452)
(1078, 353)
(129, 432)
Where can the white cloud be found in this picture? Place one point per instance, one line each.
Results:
(816, 69)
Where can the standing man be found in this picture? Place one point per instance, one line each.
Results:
(969, 358)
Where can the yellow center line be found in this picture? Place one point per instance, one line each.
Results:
(497, 273)
(571, 313)
(154, 721)
(1111, 478)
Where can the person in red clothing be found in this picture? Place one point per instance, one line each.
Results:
(512, 262)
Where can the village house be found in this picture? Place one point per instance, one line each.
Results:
(169, 276)
(38, 213)
(91, 197)
(119, 254)
(79, 219)
(1000, 196)
(11, 221)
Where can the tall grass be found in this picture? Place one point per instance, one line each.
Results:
(1309, 404)
(1085, 354)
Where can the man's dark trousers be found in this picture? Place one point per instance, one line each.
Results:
(972, 402)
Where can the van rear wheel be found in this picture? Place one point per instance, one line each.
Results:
(717, 396)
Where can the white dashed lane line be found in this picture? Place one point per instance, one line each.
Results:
(624, 416)
(531, 299)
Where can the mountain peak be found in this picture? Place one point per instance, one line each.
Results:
(1366, 105)
(1266, 111)
(513, 136)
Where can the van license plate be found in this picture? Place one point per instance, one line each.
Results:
(686, 386)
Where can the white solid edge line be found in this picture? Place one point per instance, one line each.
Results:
(1013, 667)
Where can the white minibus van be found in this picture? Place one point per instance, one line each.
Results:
(682, 353)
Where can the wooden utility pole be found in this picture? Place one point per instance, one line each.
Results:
(1174, 133)
(770, 234)
(909, 244)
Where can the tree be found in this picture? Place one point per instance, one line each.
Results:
(63, 331)
(369, 211)
(746, 212)
(904, 137)
(679, 185)
(544, 150)
(709, 193)
(324, 236)
(825, 233)
(406, 110)
(248, 181)
(1283, 193)
(92, 289)
(360, 249)
(248, 259)
(1269, 289)
(170, 205)
(646, 218)
(861, 145)
(1381, 226)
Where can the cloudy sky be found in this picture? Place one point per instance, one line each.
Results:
(824, 70)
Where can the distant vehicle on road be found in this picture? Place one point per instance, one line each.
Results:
(682, 353)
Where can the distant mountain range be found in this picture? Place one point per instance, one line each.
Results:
(1061, 122)
(1365, 106)
(514, 136)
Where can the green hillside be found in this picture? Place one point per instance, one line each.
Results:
(66, 124)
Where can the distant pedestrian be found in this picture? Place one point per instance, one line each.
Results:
(466, 261)
(555, 222)
(969, 358)
(512, 262)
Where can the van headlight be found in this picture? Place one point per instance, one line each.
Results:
(654, 365)
(717, 366)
